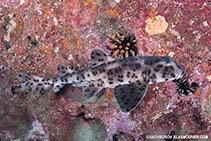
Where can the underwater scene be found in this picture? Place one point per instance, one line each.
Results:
(105, 70)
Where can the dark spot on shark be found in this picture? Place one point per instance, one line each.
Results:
(109, 72)
(65, 80)
(98, 54)
(101, 70)
(153, 77)
(82, 75)
(120, 80)
(27, 84)
(99, 84)
(62, 79)
(116, 70)
(20, 75)
(123, 97)
(110, 78)
(36, 89)
(87, 90)
(77, 77)
(138, 65)
(36, 80)
(128, 74)
(166, 69)
(99, 80)
(92, 57)
(124, 65)
(94, 73)
(39, 84)
(158, 67)
(172, 75)
(171, 68)
(100, 60)
(120, 76)
(148, 72)
(134, 76)
(110, 82)
(164, 75)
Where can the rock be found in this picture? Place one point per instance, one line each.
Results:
(88, 129)
(156, 25)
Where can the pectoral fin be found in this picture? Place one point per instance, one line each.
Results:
(128, 96)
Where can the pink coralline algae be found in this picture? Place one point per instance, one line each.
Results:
(36, 35)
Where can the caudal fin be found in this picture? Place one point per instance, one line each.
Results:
(35, 83)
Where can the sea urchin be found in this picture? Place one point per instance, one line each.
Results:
(184, 88)
(122, 45)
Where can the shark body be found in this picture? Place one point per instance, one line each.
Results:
(129, 77)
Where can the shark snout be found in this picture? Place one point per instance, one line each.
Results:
(182, 69)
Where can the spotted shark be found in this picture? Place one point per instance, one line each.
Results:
(129, 77)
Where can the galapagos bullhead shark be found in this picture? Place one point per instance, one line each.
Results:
(129, 77)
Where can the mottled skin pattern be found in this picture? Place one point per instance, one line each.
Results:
(149, 69)
(105, 72)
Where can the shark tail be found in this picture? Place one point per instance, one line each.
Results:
(35, 83)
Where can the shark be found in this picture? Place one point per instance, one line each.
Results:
(128, 77)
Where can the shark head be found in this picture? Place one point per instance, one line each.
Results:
(163, 69)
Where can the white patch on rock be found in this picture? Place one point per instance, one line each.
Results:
(117, 1)
(171, 54)
(1, 67)
(22, 2)
(70, 57)
(56, 49)
(55, 21)
(37, 132)
(38, 8)
(205, 23)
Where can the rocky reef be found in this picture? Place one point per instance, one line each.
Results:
(36, 35)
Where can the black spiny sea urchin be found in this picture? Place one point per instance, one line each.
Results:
(122, 45)
(184, 88)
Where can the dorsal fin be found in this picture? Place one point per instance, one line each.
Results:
(99, 57)
(63, 70)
